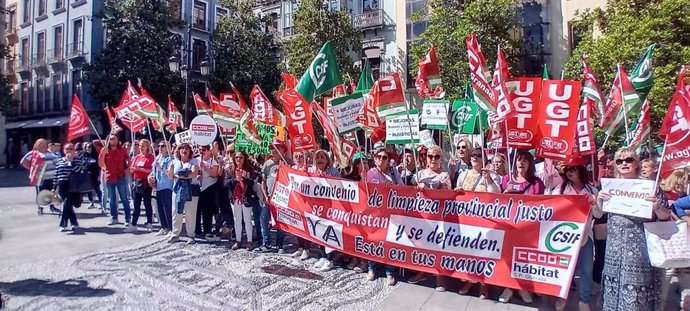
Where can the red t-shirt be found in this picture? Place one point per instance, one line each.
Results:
(115, 164)
(142, 161)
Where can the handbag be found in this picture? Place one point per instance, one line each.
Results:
(668, 244)
(80, 180)
(139, 186)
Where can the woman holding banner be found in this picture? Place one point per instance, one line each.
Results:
(521, 180)
(303, 245)
(498, 164)
(576, 182)
(324, 167)
(356, 172)
(182, 171)
(630, 282)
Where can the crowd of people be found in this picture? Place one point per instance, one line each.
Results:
(218, 193)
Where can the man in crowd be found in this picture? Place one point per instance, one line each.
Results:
(114, 162)
(269, 173)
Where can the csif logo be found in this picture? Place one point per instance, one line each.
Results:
(318, 69)
(562, 237)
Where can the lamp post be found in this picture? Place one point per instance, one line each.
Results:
(184, 67)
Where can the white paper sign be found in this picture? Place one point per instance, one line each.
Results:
(400, 128)
(346, 110)
(203, 130)
(426, 139)
(184, 137)
(629, 197)
(435, 114)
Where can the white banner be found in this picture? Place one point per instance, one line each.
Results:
(629, 197)
(184, 137)
(426, 139)
(346, 110)
(403, 129)
(435, 114)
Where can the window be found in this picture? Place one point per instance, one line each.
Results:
(220, 13)
(177, 10)
(289, 9)
(59, 4)
(575, 32)
(199, 15)
(76, 82)
(42, 7)
(335, 5)
(59, 42)
(11, 20)
(25, 51)
(40, 95)
(198, 53)
(57, 92)
(26, 16)
(415, 29)
(41, 47)
(370, 5)
(77, 35)
(272, 24)
(24, 97)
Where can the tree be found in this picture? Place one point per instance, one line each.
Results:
(314, 26)
(139, 46)
(6, 99)
(624, 29)
(493, 21)
(242, 51)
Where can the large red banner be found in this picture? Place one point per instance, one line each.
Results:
(518, 241)
(675, 130)
(523, 129)
(558, 110)
(300, 126)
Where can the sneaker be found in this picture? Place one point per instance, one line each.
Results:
(361, 267)
(390, 280)
(327, 266)
(212, 238)
(149, 227)
(484, 292)
(91, 206)
(371, 276)
(296, 253)
(262, 249)
(525, 296)
(172, 239)
(281, 251)
(506, 295)
(127, 224)
(54, 210)
(191, 240)
(112, 222)
(39, 211)
(131, 229)
(304, 255)
(319, 263)
(63, 229)
(75, 228)
(161, 232)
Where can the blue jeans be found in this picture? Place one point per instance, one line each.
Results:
(164, 204)
(266, 230)
(389, 269)
(257, 213)
(585, 263)
(121, 187)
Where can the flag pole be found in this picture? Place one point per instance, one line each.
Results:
(658, 171)
(510, 165)
(148, 129)
(481, 135)
(625, 107)
(94, 129)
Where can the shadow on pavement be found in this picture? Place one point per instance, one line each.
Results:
(67, 288)
(291, 272)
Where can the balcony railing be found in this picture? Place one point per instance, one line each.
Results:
(75, 50)
(9, 66)
(370, 19)
(56, 55)
(23, 64)
(39, 59)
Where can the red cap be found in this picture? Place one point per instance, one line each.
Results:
(575, 161)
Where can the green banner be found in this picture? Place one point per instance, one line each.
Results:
(266, 132)
(464, 117)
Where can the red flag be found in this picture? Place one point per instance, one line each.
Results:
(131, 91)
(368, 118)
(124, 112)
(246, 124)
(300, 129)
(523, 129)
(675, 130)
(390, 100)
(622, 93)
(227, 112)
(78, 120)
(641, 132)
(174, 117)
(483, 93)
(331, 132)
(114, 127)
(592, 91)
(262, 110)
(428, 81)
(290, 80)
(339, 90)
(141, 88)
(201, 106)
(584, 141)
(558, 118)
(504, 105)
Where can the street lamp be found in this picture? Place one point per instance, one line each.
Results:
(204, 66)
(183, 68)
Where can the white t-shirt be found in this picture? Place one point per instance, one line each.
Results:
(178, 165)
(206, 179)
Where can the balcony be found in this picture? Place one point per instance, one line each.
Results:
(76, 53)
(39, 63)
(23, 68)
(11, 35)
(368, 20)
(8, 70)
(56, 59)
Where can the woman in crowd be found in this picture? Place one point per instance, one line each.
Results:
(498, 164)
(382, 174)
(66, 166)
(460, 162)
(182, 171)
(33, 160)
(164, 185)
(630, 282)
(208, 168)
(140, 168)
(521, 180)
(224, 221)
(303, 245)
(477, 179)
(323, 167)
(244, 197)
(576, 182)
(675, 185)
(89, 158)
(648, 169)
(357, 172)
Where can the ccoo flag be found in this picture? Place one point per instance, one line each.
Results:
(321, 76)
(78, 120)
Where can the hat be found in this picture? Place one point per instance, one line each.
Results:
(358, 156)
(278, 143)
(574, 161)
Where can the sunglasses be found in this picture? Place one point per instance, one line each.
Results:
(628, 160)
(571, 169)
(476, 155)
(434, 157)
(382, 157)
(462, 147)
(161, 146)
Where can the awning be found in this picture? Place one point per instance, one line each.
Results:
(48, 122)
(18, 124)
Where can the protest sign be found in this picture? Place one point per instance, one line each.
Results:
(558, 108)
(403, 129)
(523, 129)
(184, 137)
(435, 114)
(426, 139)
(509, 240)
(203, 130)
(629, 196)
(346, 110)
(266, 132)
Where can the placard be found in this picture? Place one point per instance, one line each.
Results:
(203, 130)
(435, 114)
(346, 110)
(629, 197)
(403, 129)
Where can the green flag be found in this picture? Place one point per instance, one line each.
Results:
(545, 74)
(463, 117)
(366, 79)
(321, 76)
(642, 76)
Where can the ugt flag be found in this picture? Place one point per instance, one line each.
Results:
(321, 76)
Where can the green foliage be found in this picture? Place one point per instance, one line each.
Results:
(139, 46)
(621, 31)
(314, 26)
(242, 51)
(493, 21)
(6, 99)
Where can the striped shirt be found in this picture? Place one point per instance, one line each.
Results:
(65, 168)
(49, 160)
